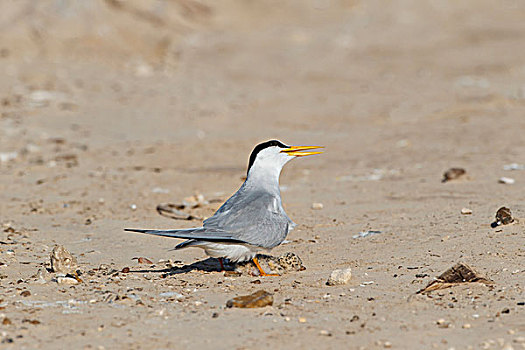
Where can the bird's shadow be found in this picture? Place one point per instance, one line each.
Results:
(207, 265)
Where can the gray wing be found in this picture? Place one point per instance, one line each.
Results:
(253, 217)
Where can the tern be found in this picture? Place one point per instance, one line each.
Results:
(252, 219)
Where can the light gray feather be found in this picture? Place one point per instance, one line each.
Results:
(254, 217)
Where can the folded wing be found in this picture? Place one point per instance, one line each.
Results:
(201, 234)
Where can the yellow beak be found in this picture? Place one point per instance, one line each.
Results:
(297, 151)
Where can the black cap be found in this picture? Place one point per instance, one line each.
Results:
(261, 146)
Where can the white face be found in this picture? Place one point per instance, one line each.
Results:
(270, 160)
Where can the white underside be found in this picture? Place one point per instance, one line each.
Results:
(233, 252)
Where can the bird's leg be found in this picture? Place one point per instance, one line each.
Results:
(222, 265)
(261, 271)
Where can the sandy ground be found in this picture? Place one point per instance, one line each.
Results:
(110, 108)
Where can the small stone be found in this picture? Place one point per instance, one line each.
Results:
(466, 211)
(142, 260)
(7, 156)
(34, 322)
(339, 277)
(143, 70)
(172, 295)
(229, 273)
(6, 321)
(317, 206)
(133, 207)
(459, 273)
(25, 293)
(260, 298)
(325, 333)
(506, 180)
(514, 166)
(387, 345)
(467, 326)
(67, 280)
(453, 174)
(125, 270)
(504, 216)
(519, 340)
(302, 320)
(40, 98)
(442, 323)
(62, 261)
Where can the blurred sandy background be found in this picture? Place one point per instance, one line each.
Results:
(109, 108)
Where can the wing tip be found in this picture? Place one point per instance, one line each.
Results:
(136, 230)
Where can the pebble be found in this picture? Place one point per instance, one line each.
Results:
(506, 180)
(66, 280)
(442, 323)
(467, 326)
(519, 340)
(302, 320)
(133, 207)
(7, 156)
(453, 174)
(260, 298)
(229, 273)
(317, 206)
(339, 277)
(325, 333)
(142, 260)
(514, 166)
(466, 211)
(160, 190)
(143, 70)
(504, 216)
(62, 261)
(40, 98)
(363, 234)
(175, 295)
(387, 345)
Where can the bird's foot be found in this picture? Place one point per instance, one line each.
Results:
(261, 271)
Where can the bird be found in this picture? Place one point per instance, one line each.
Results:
(253, 218)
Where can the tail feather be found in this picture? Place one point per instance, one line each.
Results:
(201, 234)
(185, 244)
